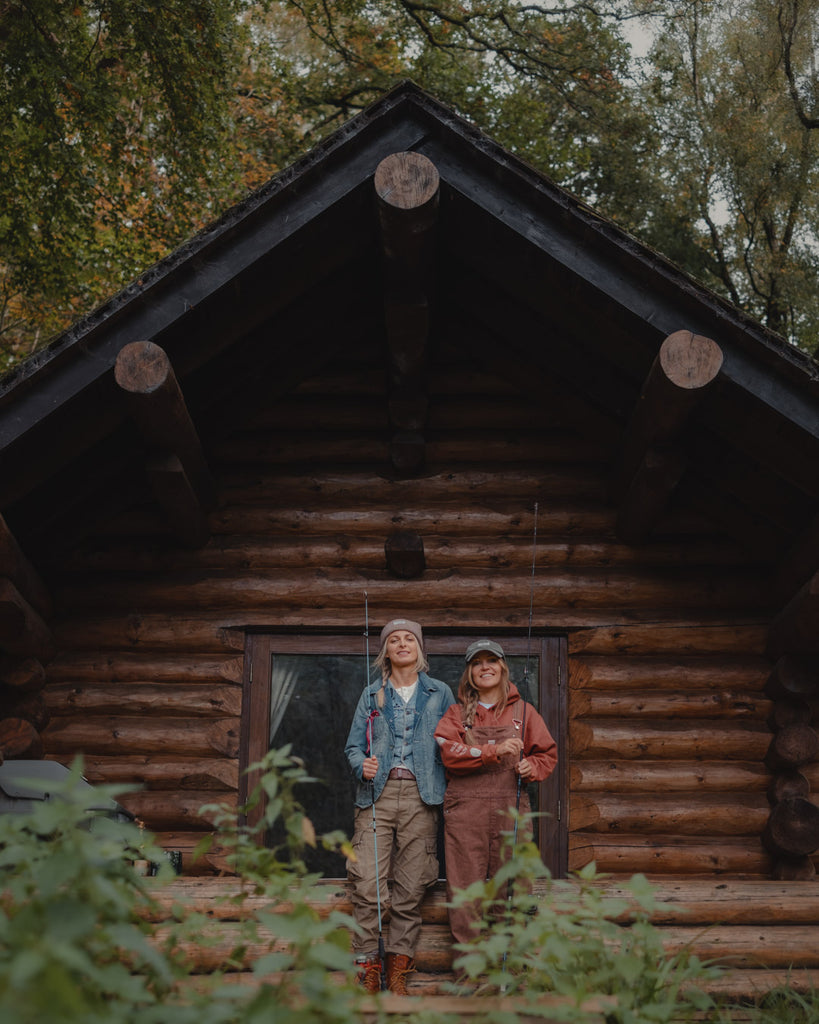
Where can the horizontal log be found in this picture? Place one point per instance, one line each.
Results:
(646, 814)
(668, 776)
(352, 448)
(381, 519)
(226, 948)
(721, 741)
(550, 588)
(113, 734)
(698, 637)
(705, 856)
(589, 672)
(72, 666)
(195, 863)
(219, 633)
(22, 631)
(682, 901)
(274, 552)
(162, 772)
(747, 946)
(651, 704)
(24, 674)
(695, 901)
(169, 810)
(136, 698)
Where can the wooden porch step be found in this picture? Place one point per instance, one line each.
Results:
(764, 933)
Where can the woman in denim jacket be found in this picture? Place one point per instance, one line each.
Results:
(401, 784)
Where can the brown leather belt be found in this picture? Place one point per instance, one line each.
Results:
(401, 773)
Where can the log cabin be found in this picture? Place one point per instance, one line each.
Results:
(411, 375)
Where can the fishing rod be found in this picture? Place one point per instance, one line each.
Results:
(526, 665)
(370, 717)
(523, 723)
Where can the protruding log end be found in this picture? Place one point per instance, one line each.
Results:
(690, 361)
(142, 368)
(792, 829)
(407, 181)
(787, 785)
(24, 674)
(792, 747)
(19, 740)
(405, 554)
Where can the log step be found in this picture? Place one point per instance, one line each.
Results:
(764, 933)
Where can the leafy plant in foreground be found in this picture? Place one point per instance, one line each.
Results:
(601, 954)
(82, 939)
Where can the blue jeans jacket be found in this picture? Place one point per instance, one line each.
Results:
(432, 698)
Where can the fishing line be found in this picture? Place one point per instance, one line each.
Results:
(372, 714)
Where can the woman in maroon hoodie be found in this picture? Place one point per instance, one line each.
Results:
(486, 741)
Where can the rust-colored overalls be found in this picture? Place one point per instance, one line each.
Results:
(476, 812)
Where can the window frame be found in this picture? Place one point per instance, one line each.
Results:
(549, 650)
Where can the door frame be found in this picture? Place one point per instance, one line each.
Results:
(548, 650)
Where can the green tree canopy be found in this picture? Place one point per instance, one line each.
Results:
(125, 130)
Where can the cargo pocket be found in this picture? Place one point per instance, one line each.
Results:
(355, 864)
(429, 875)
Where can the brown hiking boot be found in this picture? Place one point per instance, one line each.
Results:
(369, 975)
(398, 967)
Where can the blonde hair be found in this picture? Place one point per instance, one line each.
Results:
(468, 696)
(383, 662)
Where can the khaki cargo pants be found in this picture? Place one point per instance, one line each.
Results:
(406, 837)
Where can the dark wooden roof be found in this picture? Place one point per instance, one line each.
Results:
(527, 282)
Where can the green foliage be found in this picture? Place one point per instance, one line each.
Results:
(71, 945)
(601, 955)
(78, 942)
(123, 132)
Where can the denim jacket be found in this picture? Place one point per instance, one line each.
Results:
(432, 698)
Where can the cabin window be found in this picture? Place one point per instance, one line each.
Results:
(303, 690)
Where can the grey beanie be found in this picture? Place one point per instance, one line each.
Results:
(408, 625)
(483, 645)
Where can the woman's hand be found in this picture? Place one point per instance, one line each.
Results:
(524, 769)
(511, 746)
(369, 768)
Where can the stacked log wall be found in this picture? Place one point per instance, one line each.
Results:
(667, 715)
